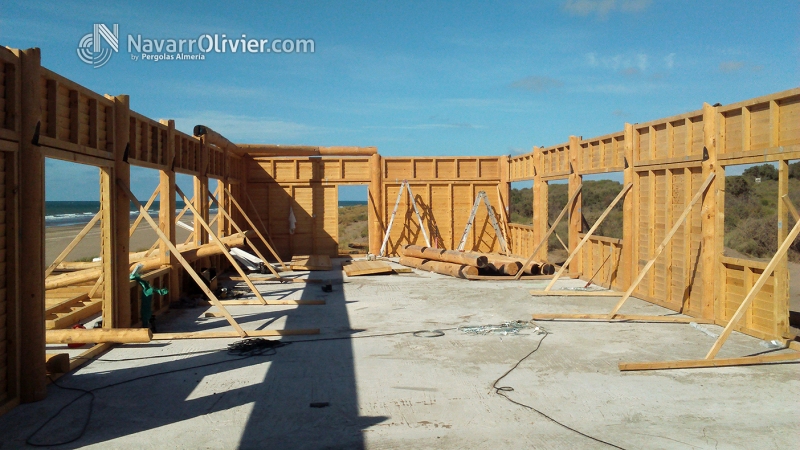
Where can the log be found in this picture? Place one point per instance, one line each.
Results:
(97, 335)
(443, 268)
(190, 254)
(214, 138)
(503, 265)
(302, 150)
(57, 363)
(449, 256)
(533, 267)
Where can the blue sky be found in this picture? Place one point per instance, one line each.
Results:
(427, 78)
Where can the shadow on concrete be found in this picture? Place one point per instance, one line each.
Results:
(276, 400)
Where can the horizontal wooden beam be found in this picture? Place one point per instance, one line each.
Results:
(231, 334)
(302, 150)
(98, 335)
(592, 293)
(705, 363)
(621, 318)
(269, 302)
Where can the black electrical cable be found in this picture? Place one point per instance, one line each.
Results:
(501, 391)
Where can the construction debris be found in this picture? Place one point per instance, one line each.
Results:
(488, 263)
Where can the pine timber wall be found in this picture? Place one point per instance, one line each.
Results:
(667, 160)
(444, 188)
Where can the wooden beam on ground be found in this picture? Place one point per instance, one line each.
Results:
(586, 293)
(64, 253)
(98, 335)
(737, 316)
(225, 214)
(506, 277)
(188, 267)
(663, 245)
(705, 363)
(589, 234)
(358, 268)
(449, 256)
(147, 207)
(271, 245)
(231, 334)
(443, 268)
(622, 318)
(222, 246)
(551, 230)
(269, 302)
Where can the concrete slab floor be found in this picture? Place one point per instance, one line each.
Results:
(386, 388)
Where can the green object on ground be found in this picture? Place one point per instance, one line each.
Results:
(147, 298)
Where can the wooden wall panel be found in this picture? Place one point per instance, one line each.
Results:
(4, 266)
(602, 154)
(326, 216)
(600, 261)
(762, 317)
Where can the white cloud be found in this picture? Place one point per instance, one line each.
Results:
(601, 8)
(669, 60)
(619, 62)
(731, 66)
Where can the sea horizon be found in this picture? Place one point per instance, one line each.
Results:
(78, 212)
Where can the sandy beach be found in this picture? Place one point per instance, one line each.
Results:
(58, 238)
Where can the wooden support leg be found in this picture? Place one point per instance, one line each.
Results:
(551, 230)
(225, 214)
(189, 269)
(225, 251)
(663, 245)
(271, 246)
(589, 234)
(147, 207)
(72, 245)
(754, 291)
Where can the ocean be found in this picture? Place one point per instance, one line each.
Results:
(65, 213)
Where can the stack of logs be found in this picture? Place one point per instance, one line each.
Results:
(468, 264)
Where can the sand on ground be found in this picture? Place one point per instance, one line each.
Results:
(58, 238)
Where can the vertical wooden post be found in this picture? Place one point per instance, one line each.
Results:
(33, 386)
(541, 213)
(712, 219)
(375, 204)
(116, 297)
(575, 211)
(624, 271)
(201, 196)
(166, 213)
(782, 269)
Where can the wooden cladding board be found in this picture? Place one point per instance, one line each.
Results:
(764, 314)
(601, 258)
(74, 117)
(522, 167)
(445, 209)
(603, 154)
(555, 161)
(674, 139)
(187, 153)
(148, 141)
(306, 170)
(676, 279)
(441, 169)
(4, 266)
(8, 98)
(316, 211)
(766, 123)
(521, 239)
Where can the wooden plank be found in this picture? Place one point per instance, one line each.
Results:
(269, 302)
(147, 207)
(357, 268)
(589, 234)
(99, 335)
(706, 363)
(231, 334)
(737, 316)
(64, 253)
(622, 318)
(189, 269)
(312, 262)
(80, 312)
(587, 293)
(663, 245)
